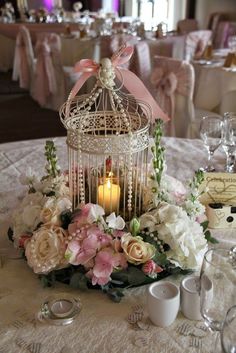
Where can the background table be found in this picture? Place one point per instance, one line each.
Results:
(102, 325)
(215, 88)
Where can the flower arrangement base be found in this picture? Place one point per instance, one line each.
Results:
(85, 248)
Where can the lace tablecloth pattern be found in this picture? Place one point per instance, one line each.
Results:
(102, 325)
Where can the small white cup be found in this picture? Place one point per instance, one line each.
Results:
(190, 298)
(163, 299)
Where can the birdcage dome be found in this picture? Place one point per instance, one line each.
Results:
(103, 114)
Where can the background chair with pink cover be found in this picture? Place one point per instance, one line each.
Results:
(23, 66)
(173, 83)
(52, 82)
(224, 30)
(196, 43)
(187, 25)
(140, 62)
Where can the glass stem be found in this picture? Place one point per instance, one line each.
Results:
(230, 159)
(217, 343)
(210, 155)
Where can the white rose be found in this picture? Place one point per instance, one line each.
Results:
(31, 216)
(46, 249)
(34, 198)
(44, 186)
(28, 177)
(62, 190)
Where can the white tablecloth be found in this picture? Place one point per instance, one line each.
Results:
(102, 325)
(215, 88)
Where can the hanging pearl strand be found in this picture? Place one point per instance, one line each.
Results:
(107, 75)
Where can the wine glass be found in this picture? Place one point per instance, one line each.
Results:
(228, 331)
(210, 133)
(229, 140)
(217, 287)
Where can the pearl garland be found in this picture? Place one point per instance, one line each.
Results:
(155, 238)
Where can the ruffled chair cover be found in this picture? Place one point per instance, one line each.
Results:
(196, 42)
(173, 84)
(24, 58)
(52, 82)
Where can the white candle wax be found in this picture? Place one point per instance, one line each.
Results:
(164, 291)
(61, 308)
(109, 196)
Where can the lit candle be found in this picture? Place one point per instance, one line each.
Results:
(109, 196)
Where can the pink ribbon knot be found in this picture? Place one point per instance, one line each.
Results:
(131, 82)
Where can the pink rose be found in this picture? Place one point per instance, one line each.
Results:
(150, 268)
(23, 240)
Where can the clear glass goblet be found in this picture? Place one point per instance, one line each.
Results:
(217, 288)
(229, 140)
(228, 332)
(211, 133)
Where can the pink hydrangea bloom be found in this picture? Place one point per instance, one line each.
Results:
(105, 261)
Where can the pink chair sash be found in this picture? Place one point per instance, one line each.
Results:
(171, 77)
(23, 59)
(45, 80)
(197, 41)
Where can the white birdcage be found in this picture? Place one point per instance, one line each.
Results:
(108, 139)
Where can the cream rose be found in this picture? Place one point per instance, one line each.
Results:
(136, 250)
(53, 208)
(46, 249)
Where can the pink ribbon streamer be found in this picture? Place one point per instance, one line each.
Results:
(133, 84)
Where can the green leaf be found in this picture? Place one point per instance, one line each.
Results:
(209, 238)
(115, 294)
(160, 259)
(133, 276)
(10, 234)
(66, 217)
(79, 281)
(204, 225)
(136, 276)
(48, 280)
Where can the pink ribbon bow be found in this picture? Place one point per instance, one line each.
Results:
(132, 83)
(168, 82)
(23, 59)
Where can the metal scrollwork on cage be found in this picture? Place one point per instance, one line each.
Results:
(108, 139)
